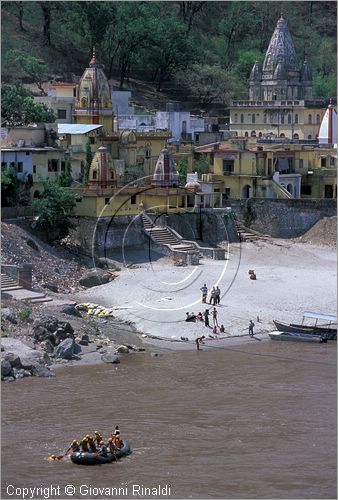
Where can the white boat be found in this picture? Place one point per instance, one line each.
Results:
(297, 337)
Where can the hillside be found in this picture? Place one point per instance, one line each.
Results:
(164, 51)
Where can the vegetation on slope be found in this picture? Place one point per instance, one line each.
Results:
(194, 45)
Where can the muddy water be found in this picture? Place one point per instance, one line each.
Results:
(255, 421)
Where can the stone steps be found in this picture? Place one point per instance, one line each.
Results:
(8, 283)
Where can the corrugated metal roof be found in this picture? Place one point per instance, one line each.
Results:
(76, 128)
(324, 317)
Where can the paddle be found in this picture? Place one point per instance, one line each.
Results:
(60, 457)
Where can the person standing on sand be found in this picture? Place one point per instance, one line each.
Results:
(204, 291)
(206, 317)
(199, 341)
(213, 296)
(214, 316)
(218, 295)
(251, 328)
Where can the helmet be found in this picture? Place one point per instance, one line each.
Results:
(110, 440)
(116, 432)
(101, 442)
(97, 433)
(53, 457)
(85, 439)
(74, 441)
(88, 436)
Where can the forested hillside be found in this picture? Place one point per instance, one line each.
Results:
(204, 48)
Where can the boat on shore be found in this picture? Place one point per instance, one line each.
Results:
(320, 330)
(297, 337)
(89, 458)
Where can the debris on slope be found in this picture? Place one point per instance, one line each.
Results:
(324, 232)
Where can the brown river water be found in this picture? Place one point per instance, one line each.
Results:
(253, 421)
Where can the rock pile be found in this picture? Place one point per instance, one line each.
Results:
(23, 361)
(55, 337)
(324, 232)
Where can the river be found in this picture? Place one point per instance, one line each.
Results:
(254, 421)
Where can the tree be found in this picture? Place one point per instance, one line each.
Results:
(30, 66)
(182, 171)
(18, 107)
(88, 162)
(201, 165)
(209, 83)
(65, 178)
(46, 10)
(9, 187)
(54, 209)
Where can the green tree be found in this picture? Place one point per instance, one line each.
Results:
(18, 107)
(88, 162)
(54, 209)
(201, 165)
(30, 66)
(65, 178)
(9, 187)
(182, 170)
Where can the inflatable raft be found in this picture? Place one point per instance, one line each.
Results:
(88, 458)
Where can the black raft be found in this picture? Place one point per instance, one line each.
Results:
(88, 458)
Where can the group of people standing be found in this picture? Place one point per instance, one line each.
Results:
(215, 295)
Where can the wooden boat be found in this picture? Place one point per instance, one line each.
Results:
(315, 329)
(297, 337)
(88, 458)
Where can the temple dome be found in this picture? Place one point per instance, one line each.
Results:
(193, 186)
(256, 72)
(280, 71)
(165, 174)
(281, 49)
(102, 173)
(93, 92)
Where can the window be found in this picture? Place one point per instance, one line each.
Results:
(227, 192)
(228, 166)
(253, 133)
(282, 135)
(301, 163)
(197, 139)
(295, 136)
(296, 118)
(20, 167)
(112, 174)
(282, 118)
(332, 162)
(264, 118)
(289, 118)
(242, 118)
(323, 162)
(212, 156)
(328, 191)
(309, 119)
(92, 140)
(260, 134)
(82, 166)
(133, 199)
(94, 175)
(52, 165)
(62, 114)
(246, 134)
(27, 153)
(74, 92)
(34, 169)
(306, 189)
(148, 151)
(235, 118)
(309, 137)
(106, 200)
(318, 119)
(253, 118)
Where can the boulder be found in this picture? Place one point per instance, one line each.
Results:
(94, 277)
(67, 349)
(110, 357)
(51, 286)
(41, 334)
(40, 370)
(108, 263)
(66, 326)
(122, 349)
(47, 346)
(19, 373)
(10, 316)
(70, 310)
(6, 368)
(13, 359)
(84, 339)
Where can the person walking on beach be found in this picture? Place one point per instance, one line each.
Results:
(213, 296)
(199, 341)
(218, 295)
(251, 328)
(204, 291)
(214, 316)
(206, 317)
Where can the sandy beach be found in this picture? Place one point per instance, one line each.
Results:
(292, 277)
